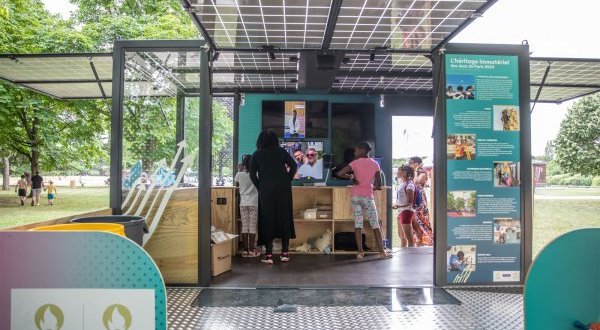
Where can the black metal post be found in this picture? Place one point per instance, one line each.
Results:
(236, 127)
(179, 125)
(116, 130)
(440, 172)
(204, 173)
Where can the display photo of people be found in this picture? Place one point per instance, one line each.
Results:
(461, 258)
(461, 203)
(506, 118)
(506, 174)
(460, 87)
(507, 231)
(461, 146)
(295, 119)
(308, 157)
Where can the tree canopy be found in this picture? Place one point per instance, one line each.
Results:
(578, 141)
(41, 133)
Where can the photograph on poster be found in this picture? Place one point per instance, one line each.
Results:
(308, 157)
(506, 174)
(506, 118)
(295, 119)
(461, 203)
(461, 146)
(507, 231)
(461, 258)
(460, 87)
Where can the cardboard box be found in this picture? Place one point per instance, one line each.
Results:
(220, 261)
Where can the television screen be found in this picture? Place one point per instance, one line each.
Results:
(295, 119)
(350, 124)
(273, 116)
(317, 119)
(308, 156)
(312, 119)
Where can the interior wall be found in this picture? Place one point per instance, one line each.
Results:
(250, 122)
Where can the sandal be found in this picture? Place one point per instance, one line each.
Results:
(385, 255)
(245, 254)
(268, 259)
(252, 254)
(360, 255)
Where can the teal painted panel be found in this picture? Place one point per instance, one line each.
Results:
(563, 284)
(250, 115)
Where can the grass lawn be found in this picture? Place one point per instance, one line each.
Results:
(68, 202)
(562, 191)
(553, 218)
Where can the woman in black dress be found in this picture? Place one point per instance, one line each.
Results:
(272, 170)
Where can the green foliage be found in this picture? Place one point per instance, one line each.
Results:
(578, 141)
(596, 181)
(73, 136)
(569, 180)
(552, 168)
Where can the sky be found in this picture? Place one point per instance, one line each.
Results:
(552, 28)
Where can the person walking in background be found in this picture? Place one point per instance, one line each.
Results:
(421, 223)
(37, 184)
(51, 192)
(366, 179)
(272, 170)
(248, 207)
(21, 189)
(405, 198)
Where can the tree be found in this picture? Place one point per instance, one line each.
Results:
(550, 150)
(578, 140)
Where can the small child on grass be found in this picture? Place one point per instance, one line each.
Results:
(51, 192)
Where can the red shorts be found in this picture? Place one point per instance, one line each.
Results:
(405, 217)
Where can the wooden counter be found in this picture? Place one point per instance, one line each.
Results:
(338, 198)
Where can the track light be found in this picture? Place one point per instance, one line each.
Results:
(293, 80)
(271, 51)
(272, 56)
(372, 56)
(215, 56)
(346, 60)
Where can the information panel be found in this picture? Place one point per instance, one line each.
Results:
(483, 164)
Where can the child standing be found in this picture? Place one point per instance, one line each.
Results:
(248, 207)
(405, 197)
(21, 189)
(51, 192)
(366, 179)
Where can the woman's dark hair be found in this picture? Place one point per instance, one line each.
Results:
(348, 155)
(364, 145)
(22, 176)
(408, 171)
(246, 162)
(267, 139)
(416, 159)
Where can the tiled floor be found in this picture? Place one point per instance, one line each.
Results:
(478, 310)
(408, 267)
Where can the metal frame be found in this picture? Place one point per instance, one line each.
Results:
(205, 136)
(522, 51)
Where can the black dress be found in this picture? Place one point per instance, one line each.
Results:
(273, 181)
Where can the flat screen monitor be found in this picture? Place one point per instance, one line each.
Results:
(309, 158)
(296, 119)
(350, 124)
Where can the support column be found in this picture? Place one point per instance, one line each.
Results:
(116, 130)
(204, 172)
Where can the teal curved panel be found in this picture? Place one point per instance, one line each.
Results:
(84, 275)
(563, 283)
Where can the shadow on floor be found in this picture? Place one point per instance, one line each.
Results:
(411, 267)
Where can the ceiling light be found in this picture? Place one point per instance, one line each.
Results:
(294, 59)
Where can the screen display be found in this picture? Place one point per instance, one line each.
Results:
(308, 156)
(350, 124)
(312, 119)
(295, 119)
